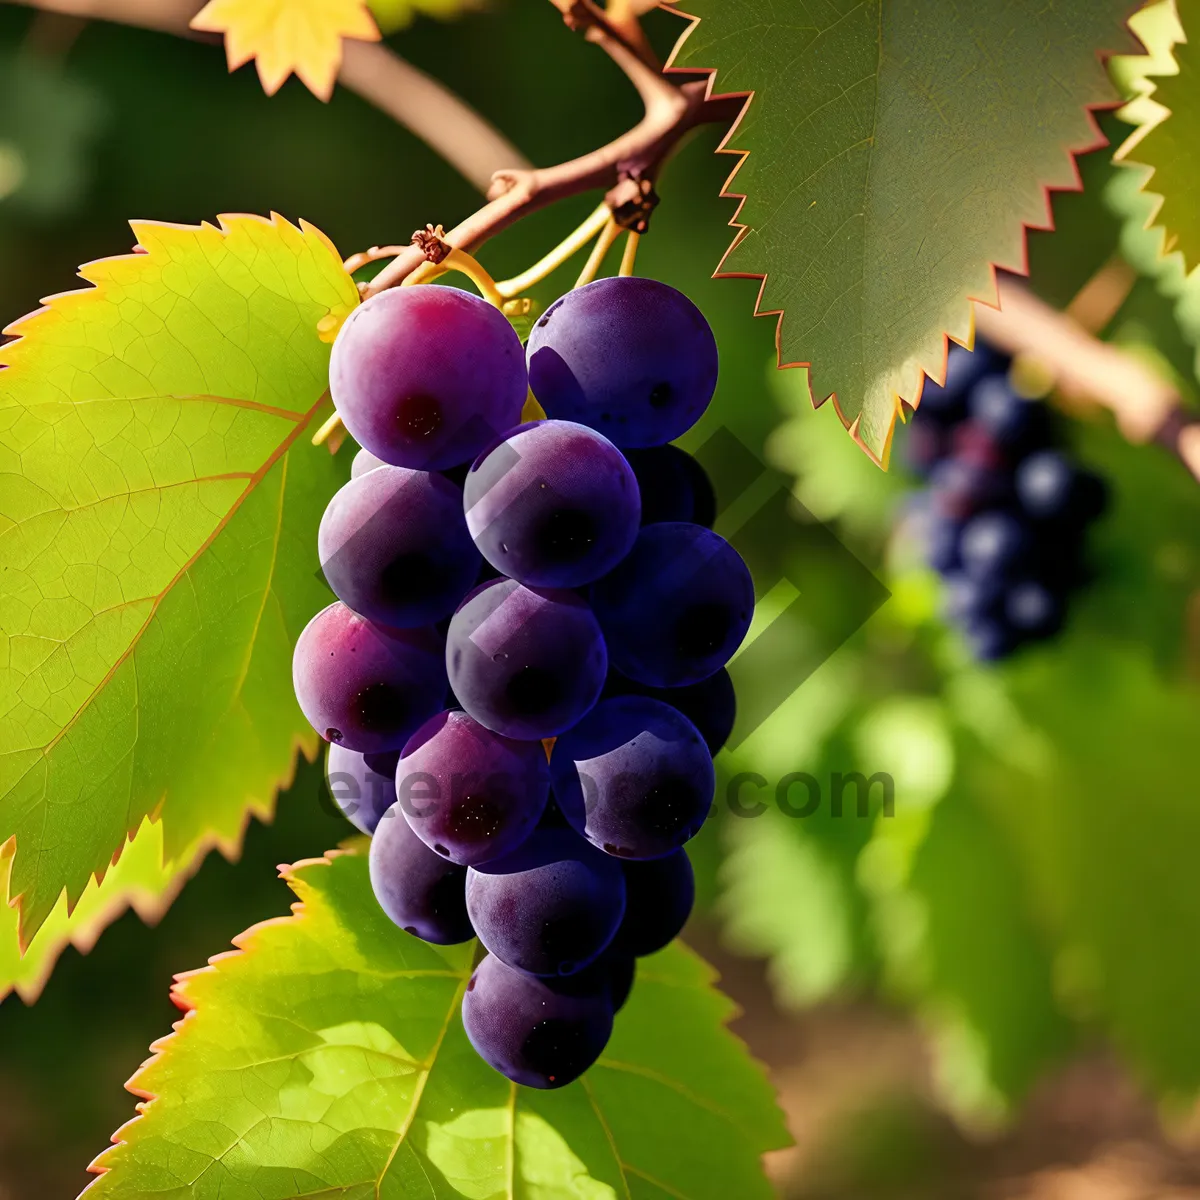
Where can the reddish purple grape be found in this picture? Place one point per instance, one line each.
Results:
(363, 462)
(394, 547)
(425, 377)
(553, 505)
(634, 777)
(677, 608)
(659, 898)
(534, 1031)
(470, 794)
(550, 907)
(423, 893)
(525, 663)
(364, 686)
(362, 785)
(631, 357)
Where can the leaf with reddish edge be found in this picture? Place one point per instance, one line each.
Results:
(326, 1056)
(889, 161)
(159, 502)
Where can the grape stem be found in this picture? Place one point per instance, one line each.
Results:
(1086, 370)
(608, 234)
(629, 258)
(569, 246)
(675, 104)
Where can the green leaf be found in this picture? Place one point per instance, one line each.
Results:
(955, 928)
(141, 879)
(328, 1058)
(1168, 120)
(159, 501)
(1107, 828)
(892, 154)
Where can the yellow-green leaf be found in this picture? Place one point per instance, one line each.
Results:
(159, 500)
(1167, 115)
(328, 1058)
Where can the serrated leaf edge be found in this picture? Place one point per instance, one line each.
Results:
(936, 371)
(93, 273)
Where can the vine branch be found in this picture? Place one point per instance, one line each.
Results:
(1147, 408)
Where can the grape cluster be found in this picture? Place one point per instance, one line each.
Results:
(522, 679)
(1005, 509)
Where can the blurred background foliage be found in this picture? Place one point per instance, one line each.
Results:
(992, 990)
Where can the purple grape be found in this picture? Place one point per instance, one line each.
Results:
(425, 377)
(553, 505)
(675, 610)
(926, 445)
(1033, 610)
(364, 686)
(993, 544)
(550, 907)
(622, 972)
(363, 462)
(959, 488)
(990, 639)
(1052, 489)
(634, 777)
(362, 785)
(710, 705)
(1016, 423)
(966, 599)
(947, 404)
(534, 1031)
(470, 794)
(423, 893)
(659, 898)
(631, 357)
(395, 548)
(525, 663)
(673, 485)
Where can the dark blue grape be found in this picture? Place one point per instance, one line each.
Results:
(958, 489)
(364, 686)
(1052, 489)
(549, 908)
(423, 893)
(394, 546)
(994, 544)
(1032, 609)
(940, 537)
(362, 785)
(554, 505)
(634, 777)
(425, 377)
(677, 608)
(631, 357)
(990, 639)
(1016, 423)
(659, 898)
(710, 705)
(926, 444)
(947, 404)
(468, 793)
(967, 599)
(534, 1031)
(525, 663)
(673, 485)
